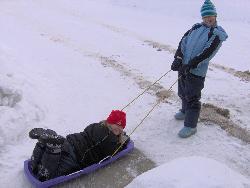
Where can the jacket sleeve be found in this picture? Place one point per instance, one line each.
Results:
(178, 52)
(109, 145)
(207, 52)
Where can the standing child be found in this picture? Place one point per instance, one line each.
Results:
(196, 48)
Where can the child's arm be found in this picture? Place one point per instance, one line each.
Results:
(207, 52)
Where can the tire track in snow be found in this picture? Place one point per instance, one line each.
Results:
(243, 75)
(221, 117)
(110, 62)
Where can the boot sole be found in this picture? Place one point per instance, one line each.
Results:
(51, 139)
(36, 133)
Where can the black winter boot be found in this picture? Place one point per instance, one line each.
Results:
(36, 133)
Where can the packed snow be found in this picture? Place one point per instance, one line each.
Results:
(191, 172)
(65, 64)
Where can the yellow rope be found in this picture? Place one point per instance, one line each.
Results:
(144, 118)
(145, 90)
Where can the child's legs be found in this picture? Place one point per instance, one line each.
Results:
(57, 162)
(68, 163)
(47, 169)
(194, 85)
(37, 156)
(181, 91)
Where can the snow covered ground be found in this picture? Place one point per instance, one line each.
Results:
(67, 63)
(176, 174)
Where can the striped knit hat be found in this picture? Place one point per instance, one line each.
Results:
(208, 9)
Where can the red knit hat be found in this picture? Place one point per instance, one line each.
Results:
(117, 117)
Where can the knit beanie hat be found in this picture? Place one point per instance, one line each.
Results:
(208, 9)
(117, 117)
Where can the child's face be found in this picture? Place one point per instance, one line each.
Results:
(209, 20)
(116, 129)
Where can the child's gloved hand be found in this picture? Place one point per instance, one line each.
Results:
(124, 138)
(185, 68)
(176, 64)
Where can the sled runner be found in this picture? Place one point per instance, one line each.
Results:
(129, 147)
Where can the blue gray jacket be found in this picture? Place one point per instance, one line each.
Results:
(199, 45)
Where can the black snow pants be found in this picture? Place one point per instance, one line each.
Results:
(189, 90)
(47, 164)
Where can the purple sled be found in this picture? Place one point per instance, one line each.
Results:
(87, 170)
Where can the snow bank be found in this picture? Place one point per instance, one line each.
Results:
(191, 172)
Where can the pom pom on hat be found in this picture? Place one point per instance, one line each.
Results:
(117, 117)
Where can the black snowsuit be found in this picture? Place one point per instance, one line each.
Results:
(78, 151)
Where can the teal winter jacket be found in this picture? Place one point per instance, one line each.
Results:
(199, 45)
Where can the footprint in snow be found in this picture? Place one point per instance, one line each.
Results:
(9, 97)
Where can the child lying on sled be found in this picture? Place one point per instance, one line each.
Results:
(55, 155)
